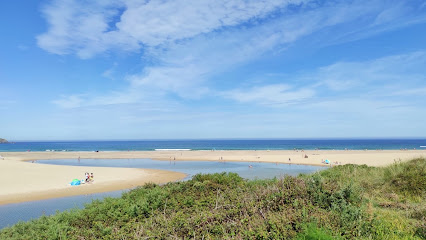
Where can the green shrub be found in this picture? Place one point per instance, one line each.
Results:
(312, 232)
(408, 178)
(343, 202)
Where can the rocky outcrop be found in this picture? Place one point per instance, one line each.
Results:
(2, 140)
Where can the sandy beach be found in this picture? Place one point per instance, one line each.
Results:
(22, 179)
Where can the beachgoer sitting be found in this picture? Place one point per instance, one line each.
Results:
(91, 177)
(87, 177)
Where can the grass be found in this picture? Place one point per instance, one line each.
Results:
(343, 202)
(313, 232)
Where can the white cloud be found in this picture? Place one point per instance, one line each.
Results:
(189, 55)
(144, 98)
(404, 69)
(185, 66)
(88, 28)
(92, 27)
(389, 14)
(110, 72)
(419, 90)
(83, 27)
(71, 101)
(157, 22)
(23, 47)
(272, 95)
(379, 80)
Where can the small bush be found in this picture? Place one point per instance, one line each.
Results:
(313, 232)
(344, 202)
(409, 178)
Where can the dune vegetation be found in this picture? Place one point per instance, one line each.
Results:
(343, 202)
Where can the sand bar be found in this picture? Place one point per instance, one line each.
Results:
(21, 180)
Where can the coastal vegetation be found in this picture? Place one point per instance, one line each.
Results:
(343, 202)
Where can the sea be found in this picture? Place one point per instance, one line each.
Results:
(216, 144)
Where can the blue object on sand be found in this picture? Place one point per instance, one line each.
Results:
(75, 182)
(326, 161)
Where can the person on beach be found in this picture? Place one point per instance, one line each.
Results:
(87, 177)
(91, 177)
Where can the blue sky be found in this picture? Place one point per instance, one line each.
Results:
(129, 69)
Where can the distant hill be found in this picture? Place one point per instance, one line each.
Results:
(2, 140)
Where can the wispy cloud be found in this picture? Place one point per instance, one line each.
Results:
(23, 47)
(404, 70)
(271, 95)
(185, 66)
(70, 101)
(154, 23)
(378, 79)
(192, 43)
(91, 27)
(109, 73)
(419, 90)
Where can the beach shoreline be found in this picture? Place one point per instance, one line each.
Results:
(22, 179)
(303, 157)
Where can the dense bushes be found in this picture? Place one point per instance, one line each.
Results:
(408, 179)
(342, 202)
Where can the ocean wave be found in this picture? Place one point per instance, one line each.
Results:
(172, 149)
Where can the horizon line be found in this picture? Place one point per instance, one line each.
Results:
(221, 139)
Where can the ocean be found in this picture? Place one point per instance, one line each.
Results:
(253, 144)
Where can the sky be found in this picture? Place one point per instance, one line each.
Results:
(191, 69)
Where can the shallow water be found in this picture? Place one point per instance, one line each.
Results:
(13, 213)
(258, 170)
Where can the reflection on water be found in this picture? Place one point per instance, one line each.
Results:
(12, 213)
(258, 170)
